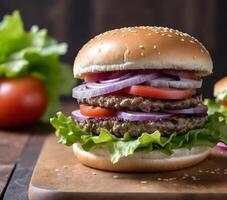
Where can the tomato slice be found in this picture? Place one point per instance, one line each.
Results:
(93, 111)
(160, 93)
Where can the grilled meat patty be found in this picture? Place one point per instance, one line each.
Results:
(136, 103)
(176, 124)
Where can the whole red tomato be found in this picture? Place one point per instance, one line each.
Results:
(22, 101)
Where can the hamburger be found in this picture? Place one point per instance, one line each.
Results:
(140, 106)
(219, 104)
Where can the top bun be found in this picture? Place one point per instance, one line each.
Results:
(220, 86)
(142, 47)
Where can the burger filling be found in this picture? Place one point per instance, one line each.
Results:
(140, 110)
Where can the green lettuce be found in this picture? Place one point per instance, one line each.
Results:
(69, 133)
(221, 96)
(214, 105)
(34, 53)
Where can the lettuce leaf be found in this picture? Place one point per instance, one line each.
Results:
(221, 96)
(34, 53)
(68, 132)
(214, 105)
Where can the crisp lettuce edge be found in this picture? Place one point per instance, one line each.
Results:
(68, 132)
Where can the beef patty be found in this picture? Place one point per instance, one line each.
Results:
(176, 124)
(136, 103)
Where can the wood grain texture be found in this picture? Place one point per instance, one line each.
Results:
(58, 175)
(5, 172)
(11, 146)
(19, 151)
(18, 185)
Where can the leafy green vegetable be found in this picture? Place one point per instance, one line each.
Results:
(213, 132)
(214, 106)
(34, 53)
(221, 96)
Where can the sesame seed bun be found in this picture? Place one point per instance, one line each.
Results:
(142, 48)
(142, 162)
(220, 86)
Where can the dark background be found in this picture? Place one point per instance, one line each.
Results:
(76, 21)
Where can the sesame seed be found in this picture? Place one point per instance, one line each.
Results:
(115, 176)
(99, 38)
(193, 178)
(143, 182)
(93, 173)
(159, 53)
(191, 41)
(149, 34)
(57, 170)
(182, 39)
(142, 54)
(141, 46)
(155, 47)
(65, 166)
(123, 35)
(159, 179)
(202, 50)
(169, 35)
(163, 34)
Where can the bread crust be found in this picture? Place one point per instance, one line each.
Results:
(220, 86)
(142, 48)
(142, 162)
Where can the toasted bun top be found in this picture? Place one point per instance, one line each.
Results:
(220, 86)
(142, 48)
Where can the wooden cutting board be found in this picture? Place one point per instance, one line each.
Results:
(58, 175)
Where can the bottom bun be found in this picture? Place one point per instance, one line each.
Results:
(142, 162)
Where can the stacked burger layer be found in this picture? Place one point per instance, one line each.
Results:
(140, 106)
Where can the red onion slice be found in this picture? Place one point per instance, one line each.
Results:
(76, 115)
(196, 110)
(222, 146)
(86, 90)
(116, 79)
(182, 83)
(139, 116)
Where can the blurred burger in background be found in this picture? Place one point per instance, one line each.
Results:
(220, 102)
(32, 78)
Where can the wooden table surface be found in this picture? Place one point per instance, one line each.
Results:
(19, 151)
